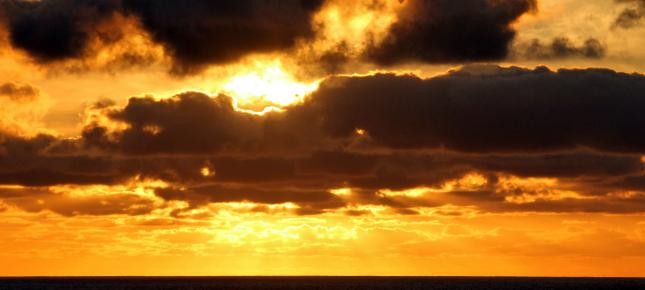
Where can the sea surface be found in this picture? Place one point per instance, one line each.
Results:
(208, 283)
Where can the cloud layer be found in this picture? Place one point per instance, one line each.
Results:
(500, 139)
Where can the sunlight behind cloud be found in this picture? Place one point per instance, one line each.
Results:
(266, 84)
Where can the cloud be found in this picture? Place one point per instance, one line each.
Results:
(598, 205)
(188, 123)
(22, 108)
(631, 16)
(17, 92)
(40, 161)
(46, 177)
(25, 161)
(201, 32)
(65, 26)
(41, 199)
(561, 47)
(444, 31)
(194, 33)
(307, 181)
(486, 109)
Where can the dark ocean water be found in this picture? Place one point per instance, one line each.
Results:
(204, 283)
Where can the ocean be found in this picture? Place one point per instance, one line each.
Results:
(322, 283)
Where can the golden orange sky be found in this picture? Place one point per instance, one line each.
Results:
(322, 137)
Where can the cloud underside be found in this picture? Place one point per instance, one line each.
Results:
(496, 139)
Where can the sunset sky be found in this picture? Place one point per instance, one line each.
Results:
(322, 137)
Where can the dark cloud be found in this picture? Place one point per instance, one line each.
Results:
(306, 180)
(47, 177)
(188, 123)
(560, 165)
(244, 170)
(25, 161)
(55, 29)
(613, 205)
(340, 162)
(561, 47)
(17, 92)
(634, 183)
(201, 32)
(487, 109)
(195, 33)
(631, 16)
(450, 165)
(446, 31)
(19, 147)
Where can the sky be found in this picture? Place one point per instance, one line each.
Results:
(322, 137)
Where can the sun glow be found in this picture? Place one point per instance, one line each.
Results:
(266, 85)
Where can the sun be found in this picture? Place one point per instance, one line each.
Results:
(266, 84)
